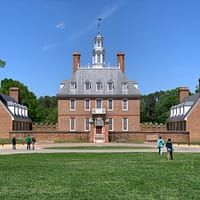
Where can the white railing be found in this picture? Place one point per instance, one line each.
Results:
(98, 111)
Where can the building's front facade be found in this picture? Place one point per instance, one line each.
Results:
(98, 99)
(13, 115)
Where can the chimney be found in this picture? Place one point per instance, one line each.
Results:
(183, 92)
(120, 60)
(14, 92)
(76, 61)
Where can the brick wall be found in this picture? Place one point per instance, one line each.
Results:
(192, 123)
(133, 113)
(177, 137)
(5, 122)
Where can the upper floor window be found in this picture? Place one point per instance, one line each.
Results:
(98, 103)
(73, 86)
(125, 104)
(110, 86)
(87, 85)
(110, 104)
(72, 104)
(87, 104)
(124, 86)
(98, 85)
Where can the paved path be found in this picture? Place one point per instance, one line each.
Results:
(40, 148)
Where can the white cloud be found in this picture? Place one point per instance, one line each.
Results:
(60, 25)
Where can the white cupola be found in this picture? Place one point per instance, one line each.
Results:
(98, 53)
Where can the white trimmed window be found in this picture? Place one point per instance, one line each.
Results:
(110, 124)
(87, 85)
(110, 86)
(110, 104)
(72, 104)
(87, 124)
(87, 104)
(73, 86)
(98, 103)
(98, 85)
(124, 124)
(124, 86)
(124, 104)
(72, 124)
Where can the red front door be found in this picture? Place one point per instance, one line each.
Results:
(98, 129)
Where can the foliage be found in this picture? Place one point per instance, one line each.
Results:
(155, 107)
(123, 176)
(48, 109)
(2, 63)
(26, 97)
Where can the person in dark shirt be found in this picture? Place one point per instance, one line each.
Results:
(170, 149)
(14, 142)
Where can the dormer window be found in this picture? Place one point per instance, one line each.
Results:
(124, 86)
(98, 85)
(110, 86)
(73, 86)
(87, 85)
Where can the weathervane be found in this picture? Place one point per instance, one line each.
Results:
(99, 23)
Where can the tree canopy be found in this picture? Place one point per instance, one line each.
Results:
(155, 107)
(2, 63)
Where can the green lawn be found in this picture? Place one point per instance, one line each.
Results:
(124, 176)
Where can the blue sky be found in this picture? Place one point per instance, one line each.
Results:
(160, 39)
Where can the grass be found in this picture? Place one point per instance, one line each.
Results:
(96, 176)
(9, 141)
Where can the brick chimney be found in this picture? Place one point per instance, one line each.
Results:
(14, 92)
(183, 92)
(120, 60)
(76, 61)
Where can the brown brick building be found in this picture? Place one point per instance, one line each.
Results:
(186, 115)
(13, 116)
(98, 98)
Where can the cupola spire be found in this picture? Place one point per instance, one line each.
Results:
(98, 53)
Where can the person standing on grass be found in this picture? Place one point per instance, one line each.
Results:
(14, 142)
(28, 142)
(170, 149)
(33, 140)
(160, 144)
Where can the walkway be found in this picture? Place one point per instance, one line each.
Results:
(40, 148)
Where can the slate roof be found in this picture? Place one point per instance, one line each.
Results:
(189, 101)
(103, 75)
(6, 100)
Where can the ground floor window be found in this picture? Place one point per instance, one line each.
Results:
(125, 124)
(110, 124)
(72, 124)
(87, 124)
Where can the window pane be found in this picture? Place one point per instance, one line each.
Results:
(87, 124)
(72, 104)
(110, 124)
(110, 104)
(125, 124)
(87, 104)
(98, 103)
(72, 124)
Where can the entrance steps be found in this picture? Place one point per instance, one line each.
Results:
(99, 138)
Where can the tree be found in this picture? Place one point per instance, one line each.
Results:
(155, 107)
(26, 97)
(48, 109)
(2, 63)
